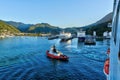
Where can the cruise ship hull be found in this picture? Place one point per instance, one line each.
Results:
(114, 69)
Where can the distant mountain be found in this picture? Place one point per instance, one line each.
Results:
(100, 29)
(35, 28)
(99, 26)
(19, 25)
(107, 18)
(44, 28)
(5, 28)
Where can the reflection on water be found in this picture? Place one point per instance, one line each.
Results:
(99, 39)
(66, 42)
(80, 45)
(107, 41)
(24, 58)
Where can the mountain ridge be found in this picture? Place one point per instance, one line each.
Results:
(19, 25)
(6, 28)
(47, 28)
(44, 28)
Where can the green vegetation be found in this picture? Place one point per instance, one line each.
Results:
(7, 29)
(100, 28)
(44, 28)
(19, 25)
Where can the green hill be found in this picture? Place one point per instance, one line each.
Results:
(6, 28)
(44, 28)
(100, 26)
(19, 25)
(100, 29)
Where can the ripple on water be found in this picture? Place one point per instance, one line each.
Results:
(29, 62)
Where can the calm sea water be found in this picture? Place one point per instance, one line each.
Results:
(24, 58)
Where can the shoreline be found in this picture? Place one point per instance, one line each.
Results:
(24, 34)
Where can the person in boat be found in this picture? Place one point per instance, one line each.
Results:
(54, 49)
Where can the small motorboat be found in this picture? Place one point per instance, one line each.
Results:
(52, 37)
(56, 56)
(89, 40)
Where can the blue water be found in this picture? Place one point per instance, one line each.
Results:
(24, 58)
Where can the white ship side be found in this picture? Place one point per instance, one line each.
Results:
(115, 44)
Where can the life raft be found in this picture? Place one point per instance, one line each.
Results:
(106, 66)
(58, 57)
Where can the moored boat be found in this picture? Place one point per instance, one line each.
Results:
(64, 36)
(56, 56)
(89, 40)
(81, 36)
(53, 37)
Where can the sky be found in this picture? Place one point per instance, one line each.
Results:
(62, 13)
